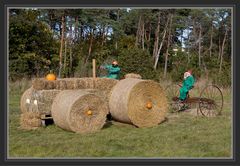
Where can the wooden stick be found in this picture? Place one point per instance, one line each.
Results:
(94, 68)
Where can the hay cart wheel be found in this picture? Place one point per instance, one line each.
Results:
(172, 91)
(211, 101)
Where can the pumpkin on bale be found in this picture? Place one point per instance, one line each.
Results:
(51, 76)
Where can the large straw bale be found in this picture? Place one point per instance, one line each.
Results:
(70, 107)
(37, 100)
(30, 120)
(129, 99)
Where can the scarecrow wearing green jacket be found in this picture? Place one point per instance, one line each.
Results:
(187, 85)
(113, 70)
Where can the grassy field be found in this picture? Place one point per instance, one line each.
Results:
(181, 135)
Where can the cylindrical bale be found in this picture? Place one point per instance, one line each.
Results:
(79, 111)
(139, 102)
(37, 100)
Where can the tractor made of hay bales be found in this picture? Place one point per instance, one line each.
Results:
(81, 105)
(209, 103)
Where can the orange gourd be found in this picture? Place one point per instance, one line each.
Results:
(149, 105)
(51, 77)
(89, 112)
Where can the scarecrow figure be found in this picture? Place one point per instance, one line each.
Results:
(113, 70)
(187, 85)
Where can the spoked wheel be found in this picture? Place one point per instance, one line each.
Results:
(211, 101)
(172, 92)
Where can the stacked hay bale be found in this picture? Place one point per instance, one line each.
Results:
(80, 111)
(133, 75)
(139, 102)
(105, 85)
(30, 120)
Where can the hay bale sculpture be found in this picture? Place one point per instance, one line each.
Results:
(139, 102)
(79, 111)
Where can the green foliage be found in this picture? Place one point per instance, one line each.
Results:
(31, 45)
(34, 41)
(136, 61)
(223, 78)
(181, 63)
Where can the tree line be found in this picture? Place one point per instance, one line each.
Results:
(156, 43)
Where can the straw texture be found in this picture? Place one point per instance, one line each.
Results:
(70, 111)
(129, 99)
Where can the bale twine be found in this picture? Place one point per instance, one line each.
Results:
(37, 100)
(79, 111)
(139, 102)
(133, 75)
(30, 120)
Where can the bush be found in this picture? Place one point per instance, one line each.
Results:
(136, 61)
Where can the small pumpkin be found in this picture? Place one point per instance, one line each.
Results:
(89, 112)
(51, 77)
(149, 105)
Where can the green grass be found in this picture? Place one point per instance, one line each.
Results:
(182, 135)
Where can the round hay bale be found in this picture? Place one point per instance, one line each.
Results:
(30, 120)
(38, 100)
(133, 75)
(139, 102)
(79, 111)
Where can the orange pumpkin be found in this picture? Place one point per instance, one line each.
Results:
(51, 77)
(89, 112)
(149, 105)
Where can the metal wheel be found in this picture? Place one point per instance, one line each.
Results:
(172, 91)
(210, 101)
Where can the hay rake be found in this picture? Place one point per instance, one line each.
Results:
(209, 103)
